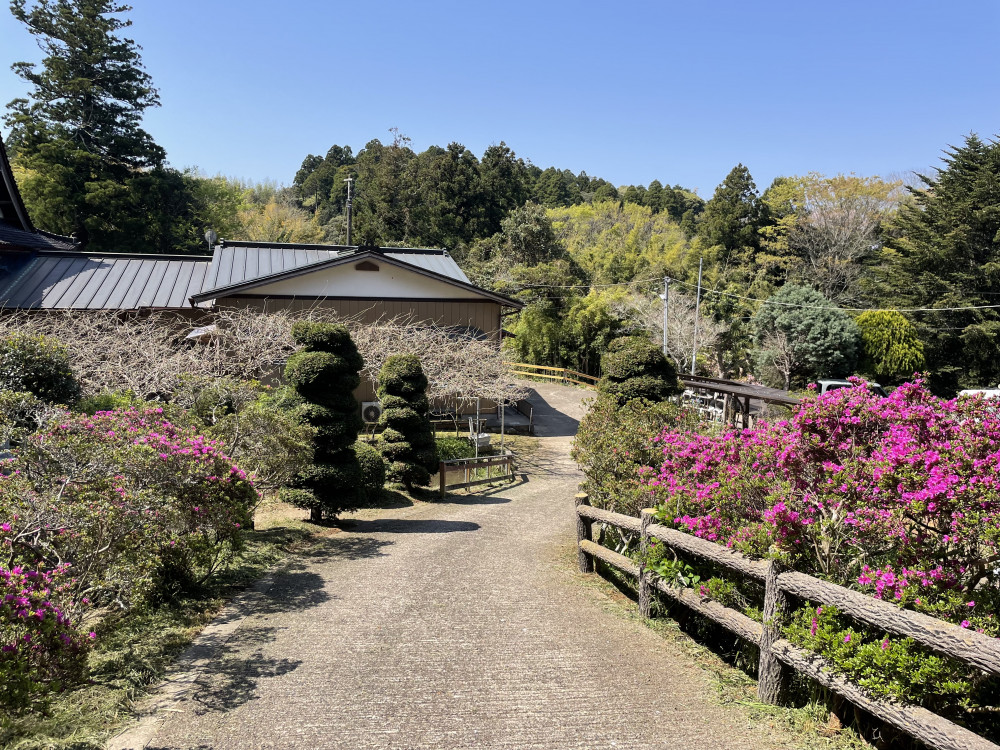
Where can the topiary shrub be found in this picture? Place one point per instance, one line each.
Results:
(372, 471)
(406, 442)
(324, 374)
(635, 368)
(38, 365)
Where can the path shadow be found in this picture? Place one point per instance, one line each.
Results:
(293, 590)
(549, 420)
(346, 547)
(408, 526)
(236, 672)
(477, 499)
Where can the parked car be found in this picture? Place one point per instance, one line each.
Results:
(986, 393)
(823, 386)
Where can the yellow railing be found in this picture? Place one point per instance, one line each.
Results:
(524, 369)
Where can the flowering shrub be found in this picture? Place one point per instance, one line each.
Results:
(40, 650)
(127, 499)
(897, 496)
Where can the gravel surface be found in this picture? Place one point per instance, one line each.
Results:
(454, 624)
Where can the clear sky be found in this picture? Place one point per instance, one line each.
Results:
(675, 91)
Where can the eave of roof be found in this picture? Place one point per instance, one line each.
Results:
(381, 254)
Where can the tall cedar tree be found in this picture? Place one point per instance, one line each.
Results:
(325, 373)
(85, 165)
(947, 254)
(406, 441)
(731, 224)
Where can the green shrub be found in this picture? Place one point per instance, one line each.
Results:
(324, 374)
(635, 368)
(108, 401)
(450, 448)
(614, 446)
(38, 365)
(406, 442)
(372, 471)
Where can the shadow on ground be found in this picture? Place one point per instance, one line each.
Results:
(235, 673)
(549, 420)
(408, 526)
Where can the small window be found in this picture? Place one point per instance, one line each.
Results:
(365, 265)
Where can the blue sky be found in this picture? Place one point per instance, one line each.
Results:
(675, 91)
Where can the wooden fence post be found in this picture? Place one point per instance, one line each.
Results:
(584, 530)
(442, 473)
(645, 577)
(772, 675)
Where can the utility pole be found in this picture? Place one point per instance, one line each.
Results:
(666, 302)
(697, 310)
(349, 181)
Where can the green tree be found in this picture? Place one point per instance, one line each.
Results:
(504, 181)
(801, 336)
(944, 252)
(324, 373)
(406, 441)
(891, 352)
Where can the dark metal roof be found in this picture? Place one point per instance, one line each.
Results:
(433, 263)
(74, 281)
(238, 262)
(12, 237)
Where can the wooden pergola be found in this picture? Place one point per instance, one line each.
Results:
(736, 397)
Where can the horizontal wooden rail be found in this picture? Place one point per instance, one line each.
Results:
(520, 368)
(776, 654)
(467, 465)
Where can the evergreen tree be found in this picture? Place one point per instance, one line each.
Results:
(890, 349)
(324, 373)
(87, 166)
(801, 337)
(406, 441)
(504, 181)
(945, 253)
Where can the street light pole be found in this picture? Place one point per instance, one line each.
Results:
(697, 309)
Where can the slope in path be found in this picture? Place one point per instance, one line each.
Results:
(453, 625)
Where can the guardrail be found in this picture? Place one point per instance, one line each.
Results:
(563, 376)
(468, 466)
(777, 655)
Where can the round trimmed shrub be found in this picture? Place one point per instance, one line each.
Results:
(406, 442)
(635, 368)
(325, 373)
(38, 365)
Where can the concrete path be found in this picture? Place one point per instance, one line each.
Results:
(457, 624)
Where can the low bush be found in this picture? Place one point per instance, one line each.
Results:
(131, 501)
(38, 365)
(615, 444)
(41, 651)
(450, 448)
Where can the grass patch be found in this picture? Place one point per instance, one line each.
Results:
(133, 651)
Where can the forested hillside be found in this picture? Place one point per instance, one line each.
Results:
(813, 276)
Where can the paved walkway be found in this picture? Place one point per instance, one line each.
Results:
(455, 624)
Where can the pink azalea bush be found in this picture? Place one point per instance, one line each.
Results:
(897, 496)
(41, 651)
(128, 500)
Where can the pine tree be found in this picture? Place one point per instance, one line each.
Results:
(406, 441)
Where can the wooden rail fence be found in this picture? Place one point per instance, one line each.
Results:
(564, 373)
(498, 469)
(777, 655)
